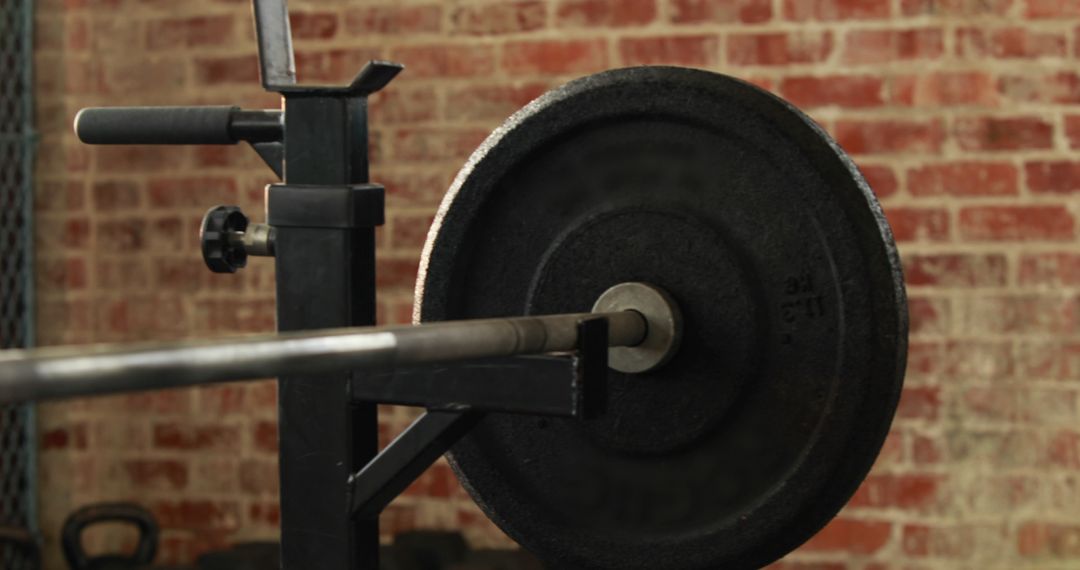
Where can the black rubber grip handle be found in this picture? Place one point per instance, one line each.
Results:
(155, 125)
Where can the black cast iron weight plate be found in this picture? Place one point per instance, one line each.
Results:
(778, 401)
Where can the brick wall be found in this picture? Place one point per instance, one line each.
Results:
(963, 114)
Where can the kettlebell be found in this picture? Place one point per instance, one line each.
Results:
(78, 521)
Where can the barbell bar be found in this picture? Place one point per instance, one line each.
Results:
(641, 316)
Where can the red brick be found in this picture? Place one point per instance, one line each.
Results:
(259, 477)
(414, 186)
(409, 230)
(395, 106)
(950, 542)
(1019, 314)
(112, 195)
(221, 155)
(1058, 88)
(499, 18)
(910, 492)
(222, 400)
(1004, 134)
(70, 321)
(178, 274)
(1010, 43)
(156, 474)
(956, 270)
(670, 50)
(128, 159)
(489, 102)
(889, 136)
(167, 235)
(881, 178)
(438, 482)
(197, 514)
(1060, 269)
(447, 60)
(835, 10)
(394, 19)
(1055, 540)
(833, 90)
(553, 57)
(779, 48)
(313, 25)
(884, 46)
(397, 519)
(944, 89)
(990, 404)
(205, 437)
(268, 514)
(396, 272)
(56, 196)
(67, 437)
(74, 233)
(73, 158)
(265, 436)
(159, 402)
(1063, 449)
(125, 235)
(334, 65)
(428, 144)
(179, 33)
(720, 11)
(892, 451)
(263, 395)
(1019, 223)
(1052, 8)
(851, 536)
(1072, 131)
(159, 75)
(925, 359)
(245, 315)
(955, 7)
(963, 179)
(227, 70)
(61, 274)
(928, 315)
(920, 403)
(919, 224)
(927, 451)
(1053, 177)
(195, 193)
(604, 13)
(1053, 360)
(90, 4)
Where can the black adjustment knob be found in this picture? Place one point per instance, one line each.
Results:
(221, 234)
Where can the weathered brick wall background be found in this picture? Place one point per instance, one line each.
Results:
(963, 113)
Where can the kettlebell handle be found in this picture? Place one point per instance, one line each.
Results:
(78, 521)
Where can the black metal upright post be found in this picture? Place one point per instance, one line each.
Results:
(324, 216)
(325, 278)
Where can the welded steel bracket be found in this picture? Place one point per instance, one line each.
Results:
(457, 398)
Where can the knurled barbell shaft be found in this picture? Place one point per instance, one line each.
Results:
(90, 370)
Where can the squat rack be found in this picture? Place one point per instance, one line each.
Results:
(320, 229)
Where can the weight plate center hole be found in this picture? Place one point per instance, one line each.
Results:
(663, 326)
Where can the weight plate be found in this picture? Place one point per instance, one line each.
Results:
(795, 323)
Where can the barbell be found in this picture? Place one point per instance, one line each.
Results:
(755, 308)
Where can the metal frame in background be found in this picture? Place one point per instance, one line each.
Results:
(19, 544)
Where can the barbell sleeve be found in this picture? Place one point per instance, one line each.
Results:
(65, 372)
